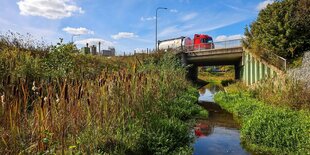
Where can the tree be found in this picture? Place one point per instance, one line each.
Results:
(60, 61)
(282, 28)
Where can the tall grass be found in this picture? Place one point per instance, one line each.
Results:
(64, 102)
(283, 91)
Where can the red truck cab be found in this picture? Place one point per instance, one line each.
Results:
(202, 41)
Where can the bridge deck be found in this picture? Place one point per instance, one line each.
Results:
(218, 51)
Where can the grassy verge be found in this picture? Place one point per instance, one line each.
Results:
(266, 128)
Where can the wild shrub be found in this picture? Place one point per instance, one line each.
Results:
(164, 136)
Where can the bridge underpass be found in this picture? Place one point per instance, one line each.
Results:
(248, 68)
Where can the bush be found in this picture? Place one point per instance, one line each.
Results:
(281, 28)
(164, 136)
(183, 107)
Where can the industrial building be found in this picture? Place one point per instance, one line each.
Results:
(93, 50)
(109, 52)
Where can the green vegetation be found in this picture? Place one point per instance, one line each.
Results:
(282, 28)
(57, 101)
(267, 128)
(223, 78)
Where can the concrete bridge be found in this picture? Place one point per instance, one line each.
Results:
(248, 67)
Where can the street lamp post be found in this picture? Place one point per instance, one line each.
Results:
(159, 8)
(74, 35)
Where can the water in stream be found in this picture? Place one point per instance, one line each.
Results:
(218, 134)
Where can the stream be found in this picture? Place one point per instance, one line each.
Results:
(218, 134)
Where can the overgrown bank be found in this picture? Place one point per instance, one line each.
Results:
(58, 101)
(267, 128)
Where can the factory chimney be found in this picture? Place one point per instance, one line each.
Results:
(99, 47)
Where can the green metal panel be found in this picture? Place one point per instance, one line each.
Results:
(257, 70)
(268, 72)
(249, 70)
(260, 70)
(274, 74)
(244, 58)
(263, 71)
(253, 70)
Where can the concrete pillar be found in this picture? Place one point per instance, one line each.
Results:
(192, 73)
(184, 59)
(238, 70)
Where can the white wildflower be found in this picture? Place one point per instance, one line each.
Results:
(2, 100)
(57, 98)
(45, 99)
(34, 88)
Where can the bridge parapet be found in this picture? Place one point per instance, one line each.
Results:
(214, 45)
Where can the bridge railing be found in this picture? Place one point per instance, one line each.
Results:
(275, 60)
(215, 45)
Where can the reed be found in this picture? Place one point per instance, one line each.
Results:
(90, 104)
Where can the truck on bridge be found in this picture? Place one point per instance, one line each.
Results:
(200, 41)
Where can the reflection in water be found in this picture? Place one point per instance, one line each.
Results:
(206, 93)
(219, 133)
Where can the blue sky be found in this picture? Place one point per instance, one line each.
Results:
(127, 24)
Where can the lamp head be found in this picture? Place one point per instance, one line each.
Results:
(162, 8)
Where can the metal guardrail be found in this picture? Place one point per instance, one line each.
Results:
(275, 60)
(215, 45)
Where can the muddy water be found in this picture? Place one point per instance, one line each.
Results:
(218, 134)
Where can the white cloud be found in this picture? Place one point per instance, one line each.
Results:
(51, 9)
(174, 11)
(77, 31)
(95, 41)
(189, 16)
(147, 18)
(225, 38)
(264, 4)
(124, 35)
(170, 30)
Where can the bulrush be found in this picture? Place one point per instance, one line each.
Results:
(3, 101)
